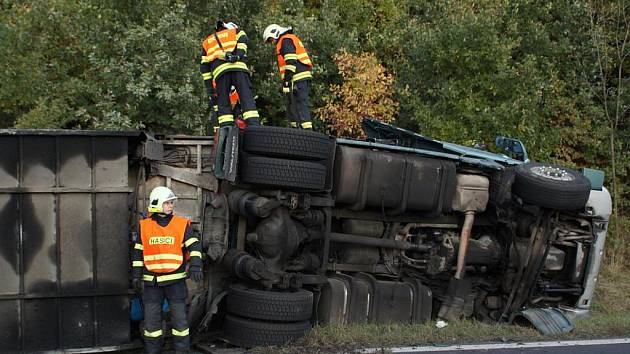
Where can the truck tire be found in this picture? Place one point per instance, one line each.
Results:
(287, 143)
(282, 173)
(551, 186)
(248, 333)
(269, 305)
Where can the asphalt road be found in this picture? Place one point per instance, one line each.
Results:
(599, 346)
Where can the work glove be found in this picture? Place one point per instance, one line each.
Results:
(137, 284)
(287, 87)
(195, 274)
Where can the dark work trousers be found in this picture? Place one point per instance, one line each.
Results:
(298, 113)
(153, 297)
(240, 80)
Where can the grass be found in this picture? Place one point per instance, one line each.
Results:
(610, 317)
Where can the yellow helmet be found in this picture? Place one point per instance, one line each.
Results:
(158, 196)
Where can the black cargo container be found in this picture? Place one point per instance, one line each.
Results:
(64, 248)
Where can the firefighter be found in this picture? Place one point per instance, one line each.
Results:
(224, 60)
(295, 72)
(159, 263)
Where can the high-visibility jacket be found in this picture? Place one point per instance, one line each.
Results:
(159, 256)
(232, 41)
(293, 60)
(163, 245)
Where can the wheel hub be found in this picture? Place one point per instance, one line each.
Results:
(551, 172)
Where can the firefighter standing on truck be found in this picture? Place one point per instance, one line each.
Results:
(159, 263)
(224, 61)
(295, 72)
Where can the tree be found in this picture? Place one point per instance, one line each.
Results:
(367, 91)
(610, 30)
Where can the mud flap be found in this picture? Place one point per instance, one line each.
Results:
(226, 153)
(452, 308)
(546, 320)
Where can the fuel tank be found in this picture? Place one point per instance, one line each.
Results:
(393, 182)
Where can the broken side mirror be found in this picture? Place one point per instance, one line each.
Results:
(513, 148)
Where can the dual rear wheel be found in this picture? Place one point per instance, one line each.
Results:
(261, 317)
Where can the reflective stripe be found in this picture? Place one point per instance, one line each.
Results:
(226, 118)
(155, 257)
(250, 114)
(175, 276)
(138, 246)
(242, 46)
(215, 108)
(177, 333)
(304, 59)
(138, 263)
(153, 334)
(290, 68)
(192, 240)
(205, 59)
(213, 51)
(294, 124)
(161, 278)
(195, 254)
(215, 129)
(226, 66)
(207, 76)
(240, 34)
(302, 76)
(307, 125)
(290, 56)
(156, 266)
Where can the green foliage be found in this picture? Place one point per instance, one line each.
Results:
(144, 72)
(552, 74)
(486, 71)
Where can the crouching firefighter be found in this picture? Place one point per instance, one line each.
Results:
(224, 60)
(159, 259)
(295, 72)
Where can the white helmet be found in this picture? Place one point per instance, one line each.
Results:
(230, 25)
(274, 31)
(158, 196)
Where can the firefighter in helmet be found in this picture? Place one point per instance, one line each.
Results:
(224, 61)
(165, 249)
(295, 72)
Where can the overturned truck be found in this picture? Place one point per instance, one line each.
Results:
(298, 229)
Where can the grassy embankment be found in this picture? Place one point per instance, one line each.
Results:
(610, 317)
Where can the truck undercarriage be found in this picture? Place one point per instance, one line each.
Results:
(300, 229)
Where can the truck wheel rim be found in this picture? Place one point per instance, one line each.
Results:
(554, 173)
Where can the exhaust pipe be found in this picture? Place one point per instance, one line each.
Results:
(471, 196)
